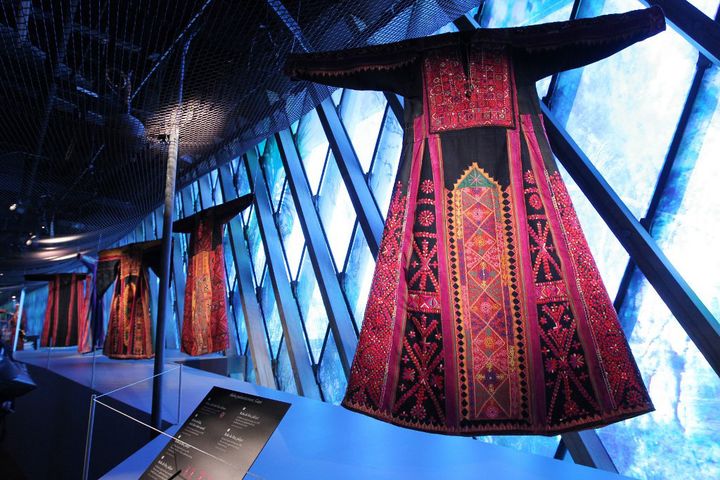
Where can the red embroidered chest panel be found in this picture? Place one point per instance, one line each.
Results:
(468, 87)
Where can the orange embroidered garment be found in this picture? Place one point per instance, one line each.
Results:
(205, 328)
(129, 333)
(487, 314)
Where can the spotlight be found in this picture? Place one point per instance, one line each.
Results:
(28, 242)
(13, 207)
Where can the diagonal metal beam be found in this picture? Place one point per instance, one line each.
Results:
(696, 27)
(257, 340)
(666, 173)
(371, 221)
(287, 307)
(331, 292)
(587, 449)
(685, 305)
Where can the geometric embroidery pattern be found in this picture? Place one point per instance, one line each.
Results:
(468, 92)
(370, 365)
(420, 393)
(626, 386)
(480, 274)
(569, 393)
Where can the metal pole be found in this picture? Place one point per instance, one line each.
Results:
(19, 319)
(156, 413)
(88, 438)
(168, 213)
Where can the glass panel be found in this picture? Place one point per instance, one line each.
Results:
(291, 233)
(538, 445)
(242, 185)
(239, 321)
(274, 171)
(708, 7)
(681, 439)
(362, 114)
(622, 121)
(501, 13)
(229, 263)
(386, 162)
(257, 251)
(285, 378)
(336, 96)
(272, 316)
(312, 148)
(311, 307)
(336, 212)
(358, 276)
(249, 368)
(331, 374)
(686, 224)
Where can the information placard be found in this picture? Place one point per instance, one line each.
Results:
(221, 438)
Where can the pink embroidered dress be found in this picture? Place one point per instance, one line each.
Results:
(487, 314)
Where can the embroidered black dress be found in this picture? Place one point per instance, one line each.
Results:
(487, 314)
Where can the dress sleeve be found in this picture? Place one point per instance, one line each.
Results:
(390, 67)
(222, 213)
(555, 47)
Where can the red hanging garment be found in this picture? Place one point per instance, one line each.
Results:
(205, 328)
(129, 334)
(67, 308)
(487, 314)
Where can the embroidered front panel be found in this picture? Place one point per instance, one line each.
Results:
(569, 392)
(626, 386)
(468, 87)
(129, 334)
(205, 327)
(420, 392)
(480, 225)
(369, 368)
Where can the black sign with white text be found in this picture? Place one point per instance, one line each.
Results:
(221, 439)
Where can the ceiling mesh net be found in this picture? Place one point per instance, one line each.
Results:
(88, 89)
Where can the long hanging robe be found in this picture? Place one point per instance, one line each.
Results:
(205, 328)
(129, 334)
(487, 314)
(67, 307)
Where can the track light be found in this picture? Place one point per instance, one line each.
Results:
(28, 242)
(13, 207)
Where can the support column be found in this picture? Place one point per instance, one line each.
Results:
(168, 216)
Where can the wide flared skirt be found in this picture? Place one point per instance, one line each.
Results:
(487, 314)
(205, 327)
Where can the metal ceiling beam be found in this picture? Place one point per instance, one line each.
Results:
(305, 381)
(339, 316)
(257, 340)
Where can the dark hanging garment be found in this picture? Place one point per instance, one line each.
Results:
(487, 314)
(205, 328)
(129, 334)
(67, 307)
